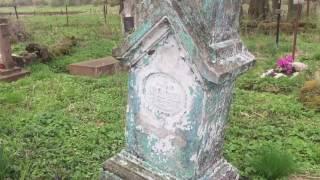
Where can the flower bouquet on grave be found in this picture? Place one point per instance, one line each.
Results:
(286, 66)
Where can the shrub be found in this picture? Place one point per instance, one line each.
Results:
(273, 163)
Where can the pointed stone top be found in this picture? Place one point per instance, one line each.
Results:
(207, 29)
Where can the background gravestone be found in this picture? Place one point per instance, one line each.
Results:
(8, 71)
(5, 46)
(184, 58)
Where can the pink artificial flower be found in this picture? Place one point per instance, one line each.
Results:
(285, 64)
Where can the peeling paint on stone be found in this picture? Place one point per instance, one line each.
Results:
(184, 58)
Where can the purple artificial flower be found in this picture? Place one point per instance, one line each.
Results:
(285, 65)
(289, 58)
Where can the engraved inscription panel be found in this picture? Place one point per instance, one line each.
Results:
(163, 95)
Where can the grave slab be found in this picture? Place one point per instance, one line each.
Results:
(9, 75)
(95, 68)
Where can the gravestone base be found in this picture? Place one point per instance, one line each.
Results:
(95, 68)
(9, 75)
(124, 166)
(127, 167)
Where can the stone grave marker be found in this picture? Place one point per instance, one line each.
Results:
(96, 67)
(5, 46)
(8, 71)
(184, 57)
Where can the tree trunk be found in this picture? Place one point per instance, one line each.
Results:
(308, 8)
(274, 6)
(314, 8)
(259, 9)
(105, 11)
(67, 14)
(292, 10)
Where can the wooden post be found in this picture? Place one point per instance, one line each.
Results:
(105, 11)
(107, 7)
(67, 15)
(296, 27)
(278, 22)
(15, 9)
(308, 8)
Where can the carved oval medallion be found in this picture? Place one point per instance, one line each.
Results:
(163, 95)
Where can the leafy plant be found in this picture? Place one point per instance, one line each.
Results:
(273, 163)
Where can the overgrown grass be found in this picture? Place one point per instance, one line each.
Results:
(60, 126)
(273, 163)
(54, 125)
(268, 111)
(64, 126)
(3, 164)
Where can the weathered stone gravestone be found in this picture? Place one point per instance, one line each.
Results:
(5, 46)
(8, 71)
(184, 58)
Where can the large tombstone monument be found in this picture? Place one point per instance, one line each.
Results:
(8, 71)
(184, 57)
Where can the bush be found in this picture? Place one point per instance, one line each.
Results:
(273, 163)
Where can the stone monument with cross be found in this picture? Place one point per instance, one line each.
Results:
(184, 57)
(8, 70)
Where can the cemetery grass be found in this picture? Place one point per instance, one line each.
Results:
(54, 125)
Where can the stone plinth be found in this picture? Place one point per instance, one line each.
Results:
(184, 58)
(95, 68)
(9, 75)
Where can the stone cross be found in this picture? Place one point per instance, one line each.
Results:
(5, 45)
(184, 57)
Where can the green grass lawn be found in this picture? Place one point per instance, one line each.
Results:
(57, 125)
